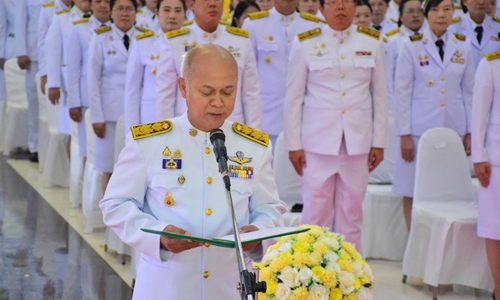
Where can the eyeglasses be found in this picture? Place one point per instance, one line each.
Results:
(413, 11)
(124, 9)
(337, 3)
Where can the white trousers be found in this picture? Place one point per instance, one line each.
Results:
(32, 96)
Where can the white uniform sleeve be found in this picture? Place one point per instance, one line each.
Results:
(54, 47)
(74, 59)
(403, 88)
(95, 63)
(250, 89)
(467, 85)
(379, 99)
(294, 97)
(166, 83)
(133, 83)
(3, 28)
(481, 105)
(21, 31)
(43, 27)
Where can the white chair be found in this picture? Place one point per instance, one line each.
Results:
(16, 109)
(443, 247)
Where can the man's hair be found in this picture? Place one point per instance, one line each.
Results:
(188, 66)
(428, 4)
(113, 2)
(402, 5)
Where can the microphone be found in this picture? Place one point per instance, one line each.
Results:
(217, 138)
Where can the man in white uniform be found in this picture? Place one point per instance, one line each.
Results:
(166, 178)
(336, 120)
(207, 30)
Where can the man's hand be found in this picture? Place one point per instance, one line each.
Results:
(407, 148)
(483, 172)
(54, 95)
(375, 157)
(177, 245)
(43, 83)
(99, 129)
(24, 62)
(75, 114)
(298, 159)
(467, 144)
(2, 63)
(249, 228)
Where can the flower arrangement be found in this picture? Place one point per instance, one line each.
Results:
(315, 265)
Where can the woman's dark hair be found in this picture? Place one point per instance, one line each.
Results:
(428, 4)
(183, 2)
(402, 5)
(240, 9)
(113, 2)
(363, 3)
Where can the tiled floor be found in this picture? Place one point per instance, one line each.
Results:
(44, 253)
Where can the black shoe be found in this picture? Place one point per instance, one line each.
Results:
(493, 295)
(33, 157)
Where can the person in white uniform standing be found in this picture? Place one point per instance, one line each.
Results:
(140, 86)
(167, 178)
(147, 16)
(26, 23)
(336, 120)
(272, 33)
(433, 88)
(204, 30)
(380, 19)
(485, 131)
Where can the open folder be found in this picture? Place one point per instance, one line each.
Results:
(228, 240)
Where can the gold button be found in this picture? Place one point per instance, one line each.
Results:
(207, 150)
(205, 35)
(342, 75)
(215, 35)
(341, 41)
(342, 57)
(209, 180)
(343, 111)
(442, 78)
(343, 93)
(442, 91)
(208, 211)
(289, 40)
(442, 104)
(207, 245)
(206, 274)
(193, 132)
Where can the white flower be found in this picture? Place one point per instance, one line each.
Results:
(318, 292)
(346, 280)
(305, 275)
(286, 246)
(364, 294)
(282, 292)
(357, 268)
(330, 242)
(270, 256)
(331, 256)
(369, 272)
(289, 276)
(333, 266)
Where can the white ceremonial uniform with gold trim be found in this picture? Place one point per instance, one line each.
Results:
(55, 57)
(77, 48)
(485, 141)
(491, 35)
(272, 34)
(26, 22)
(147, 19)
(140, 86)
(247, 108)
(336, 112)
(431, 93)
(106, 72)
(191, 197)
(387, 24)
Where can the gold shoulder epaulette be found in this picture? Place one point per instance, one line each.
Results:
(369, 31)
(496, 19)
(102, 29)
(251, 133)
(84, 20)
(459, 36)
(492, 55)
(258, 15)
(62, 11)
(309, 17)
(144, 35)
(142, 29)
(188, 22)
(394, 21)
(224, 22)
(416, 37)
(150, 129)
(49, 4)
(177, 32)
(309, 34)
(393, 32)
(237, 31)
(140, 11)
(455, 19)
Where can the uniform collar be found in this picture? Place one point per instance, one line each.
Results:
(206, 37)
(196, 134)
(96, 23)
(340, 34)
(473, 24)
(76, 13)
(147, 11)
(120, 33)
(284, 20)
(433, 38)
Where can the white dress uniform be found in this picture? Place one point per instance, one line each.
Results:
(140, 86)
(46, 16)
(26, 27)
(392, 12)
(336, 112)
(272, 34)
(106, 68)
(190, 196)
(485, 134)
(57, 36)
(147, 19)
(387, 25)
(431, 93)
(76, 71)
(247, 108)
(491, 35)
(7, 50)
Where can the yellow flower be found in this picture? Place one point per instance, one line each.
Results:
(259, 266)
(271, 286)
(277, 264)
(357, 283)
(305, 237)
(320, 247)
(300, 293)
(319, 271)
(300, 260)
(335, 294)
(329, 279)
(364, 279)
(351, 297)
(265, 274)
(286, 257)
(345, 265)
(300, 246)
(314, 259)
(274, 247)
(315, 230)
(344, 255)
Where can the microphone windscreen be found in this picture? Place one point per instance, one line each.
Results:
(217, 134)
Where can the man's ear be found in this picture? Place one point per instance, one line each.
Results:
(182, 86)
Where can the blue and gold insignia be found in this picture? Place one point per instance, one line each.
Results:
(166, 151)
(240, 158)
(363, 53)
(241, 172)
(171, 164)
(457, 57)
(150, 129)
(168, 200)
(251, 133)
(424, 60)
